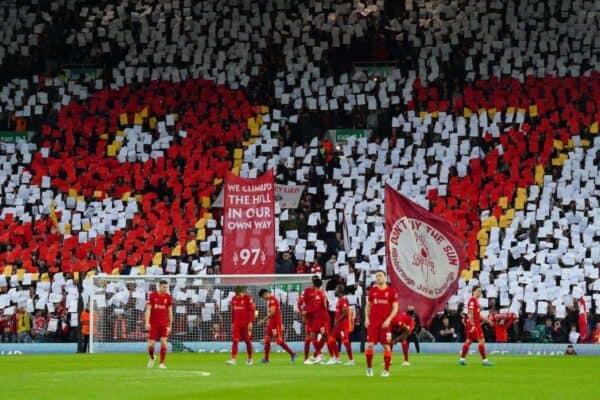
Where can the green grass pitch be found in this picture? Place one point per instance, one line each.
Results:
(125, 376)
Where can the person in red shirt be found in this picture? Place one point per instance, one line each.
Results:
(159, 317)
(242, 317)
(473, 331)
(583, 325)
(382, 307)
(274, 328)
(305, 308)
(402, 327)
(502, 323)
(342, 327)
(321, 324)
(596, 334)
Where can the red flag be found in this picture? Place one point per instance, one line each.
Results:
(424, 257)
(249, 225)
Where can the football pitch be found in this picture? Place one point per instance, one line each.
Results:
(205, 376)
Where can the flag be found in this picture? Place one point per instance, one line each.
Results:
(424, 257)
(249, 225)
(53, 216)
(347, 242)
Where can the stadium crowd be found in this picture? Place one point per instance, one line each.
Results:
(485, 112)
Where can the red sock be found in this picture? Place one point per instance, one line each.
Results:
(315, 343)
(285, 347)
(387, 359)
(267, 350)
(348, 349)
(234, 350)
(482, 350)
(405, 349)
(465, 350)
(163, 352)
(249, 349)
(369, 355)
(306, 348)
(151, 351)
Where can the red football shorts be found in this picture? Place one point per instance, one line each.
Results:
(240, 332)
(474, 334)
(376, 333)
(341, 331)
(402, 328)
(273, 332)
(157, 332)
(308, 322)
(320, 325)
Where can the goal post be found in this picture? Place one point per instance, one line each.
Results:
(201, 309)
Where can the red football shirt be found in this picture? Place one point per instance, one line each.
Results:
(242, 309)
(275, 318)
(381, 301)
(159, 308)
(305, 302)
(342, 304)
(473, 306)
(402, 320)
(319, 304)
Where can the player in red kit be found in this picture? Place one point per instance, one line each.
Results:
(274, 330)
(583, 324)
(341, 327)
(321, 324)
(382, 307)
(473, 331)
(402, 326)
(159, 316)
(242, 317)
(305, 308)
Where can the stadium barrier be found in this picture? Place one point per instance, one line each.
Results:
(493, 349)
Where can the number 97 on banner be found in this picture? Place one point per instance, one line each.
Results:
(249, 256)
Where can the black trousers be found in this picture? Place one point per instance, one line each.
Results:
(414, 338)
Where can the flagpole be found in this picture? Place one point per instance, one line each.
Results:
(362, 314)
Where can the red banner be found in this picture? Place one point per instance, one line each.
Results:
(424, 257)
(249, 225)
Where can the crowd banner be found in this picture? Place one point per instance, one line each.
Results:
(288, 196)
(249, 225)
(424, 257)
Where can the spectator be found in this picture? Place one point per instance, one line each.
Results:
(315, 269)
(558, 335)
(446, 333)
(573, 335)
(301, 267)
(414, 336)
(595, 336)
(284, 264)
(529, 326)
(502, 323)
(3, 327)
(330, 266)
(64, 327)
(23, 326)
(548, 331)
(570, 351)
(39, 327)
(217, 333)
(84, 320)
(119, 327)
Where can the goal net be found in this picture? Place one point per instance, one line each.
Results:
(201, 309)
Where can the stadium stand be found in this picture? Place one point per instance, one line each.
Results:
(486, 113)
